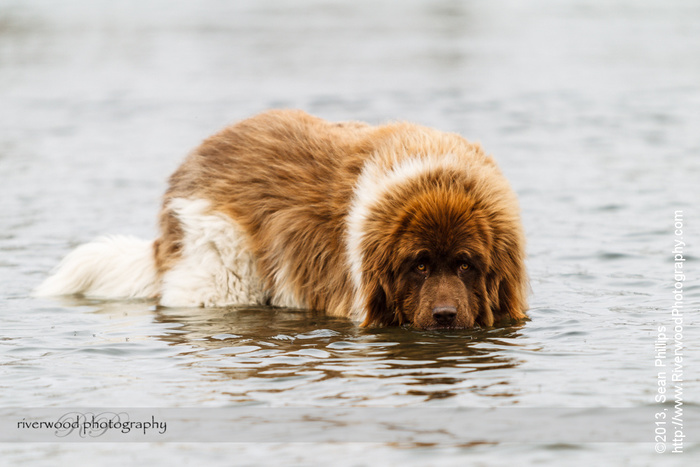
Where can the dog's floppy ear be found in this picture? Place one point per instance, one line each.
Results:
(379, 302)
(485, 290)
(507, 292)
(506, 280)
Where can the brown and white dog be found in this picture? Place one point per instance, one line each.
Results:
(388, 225)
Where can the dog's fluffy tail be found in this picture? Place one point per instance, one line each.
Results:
(110, 267)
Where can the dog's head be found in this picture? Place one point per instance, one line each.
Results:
(443, 252)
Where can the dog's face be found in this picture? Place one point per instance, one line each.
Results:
(438, 280)
(451, 263)
(435, 291)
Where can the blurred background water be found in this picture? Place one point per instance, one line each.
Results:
(591, 108)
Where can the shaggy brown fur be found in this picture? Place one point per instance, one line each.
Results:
(440, 246)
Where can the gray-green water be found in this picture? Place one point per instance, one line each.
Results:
(592, 109)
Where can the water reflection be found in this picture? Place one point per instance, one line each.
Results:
(290, 330)
(288, 347)
(286, 356)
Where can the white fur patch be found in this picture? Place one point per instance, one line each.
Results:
(284, 295)
(110, 267)
(377, 178)
(217, 267)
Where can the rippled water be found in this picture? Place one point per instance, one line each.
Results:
(591, 108)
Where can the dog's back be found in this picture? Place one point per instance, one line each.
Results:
(281, 181)
(282, 178)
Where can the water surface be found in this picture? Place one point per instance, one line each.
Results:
(592, 110)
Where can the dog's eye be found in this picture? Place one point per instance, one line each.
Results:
(421, 267)
(463, 267)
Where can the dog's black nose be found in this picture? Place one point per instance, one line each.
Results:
(444, 315)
